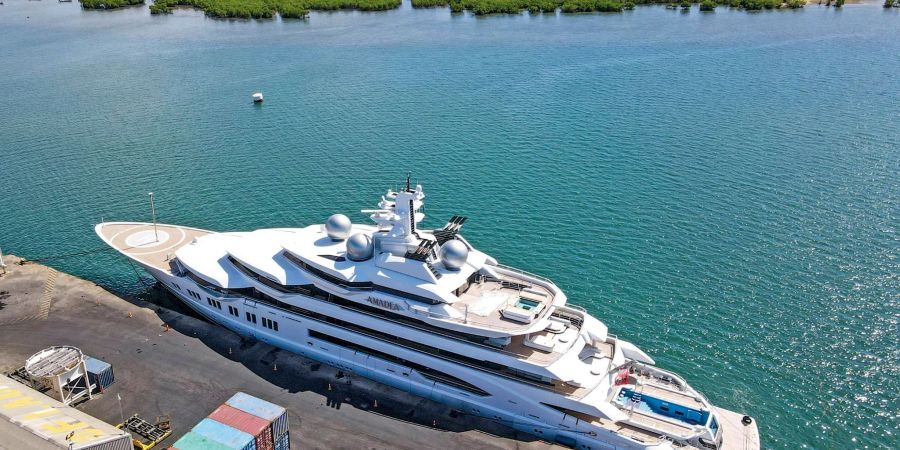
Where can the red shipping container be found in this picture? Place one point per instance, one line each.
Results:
(265, 440)
(257, 427)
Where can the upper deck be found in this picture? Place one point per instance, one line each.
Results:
(154, 246)
(506, 303)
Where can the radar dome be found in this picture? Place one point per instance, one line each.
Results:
(338, 227)
(454, 254)
(360, 247)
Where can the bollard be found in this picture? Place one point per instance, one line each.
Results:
(329, 386)
(229, 350)
(274, 367)
(375, 405)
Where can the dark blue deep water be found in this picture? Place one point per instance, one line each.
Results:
(722, 189)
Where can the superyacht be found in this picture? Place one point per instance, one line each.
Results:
(426, 312)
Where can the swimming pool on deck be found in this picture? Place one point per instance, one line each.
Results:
(527, 304)
(650, 404)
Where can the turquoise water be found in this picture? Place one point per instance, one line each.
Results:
(722, 189)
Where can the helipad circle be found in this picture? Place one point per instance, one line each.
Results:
(146, 238)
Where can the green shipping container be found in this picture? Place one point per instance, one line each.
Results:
(194, 441)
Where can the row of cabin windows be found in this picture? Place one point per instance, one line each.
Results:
(233, 311)
(266, 322)
(425, 371)
(194, 295)
(214, 303)
(270, 324)
(314, 291)
(216, 289)
(490, 366)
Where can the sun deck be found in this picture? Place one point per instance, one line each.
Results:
(485, 303)
(140, 241)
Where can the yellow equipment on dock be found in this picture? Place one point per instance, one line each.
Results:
(145, 435)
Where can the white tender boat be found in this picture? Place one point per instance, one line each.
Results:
(426, 312)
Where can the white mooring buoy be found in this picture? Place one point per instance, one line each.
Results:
(258, 97)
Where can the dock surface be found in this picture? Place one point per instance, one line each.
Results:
(189, 370)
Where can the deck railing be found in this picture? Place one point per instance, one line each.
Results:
(527, 274)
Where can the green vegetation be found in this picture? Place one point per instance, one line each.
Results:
(430, 3)
(482, 7)
(109, 4)
(266, 9)
(758, 5)
(573, 6)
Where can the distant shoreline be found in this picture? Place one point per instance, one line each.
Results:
(300, 9)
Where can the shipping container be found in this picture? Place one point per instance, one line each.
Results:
(263, 409)
(248, 423)
(100, 373)
(235, 418)
(280, 425)
(265, 440)
(194, 441)
(41, 415)
(284, 442)
(255, 406)
(232, 438)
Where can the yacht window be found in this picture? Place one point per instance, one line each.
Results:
(489, 366)
(714, 426)
(363, 285)
(425, 371)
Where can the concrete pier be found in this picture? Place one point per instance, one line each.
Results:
(191, 367)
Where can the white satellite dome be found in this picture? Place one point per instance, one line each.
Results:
(360, 247)
(338, 227)
(454, 254)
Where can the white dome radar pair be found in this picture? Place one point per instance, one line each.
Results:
(359, 246)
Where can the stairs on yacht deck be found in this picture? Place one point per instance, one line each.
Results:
(433, 270)
(636, 399)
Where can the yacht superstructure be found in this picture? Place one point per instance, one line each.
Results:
(426, 312)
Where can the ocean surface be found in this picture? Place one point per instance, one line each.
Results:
(722, 189)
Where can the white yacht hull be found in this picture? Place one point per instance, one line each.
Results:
(505, 396)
